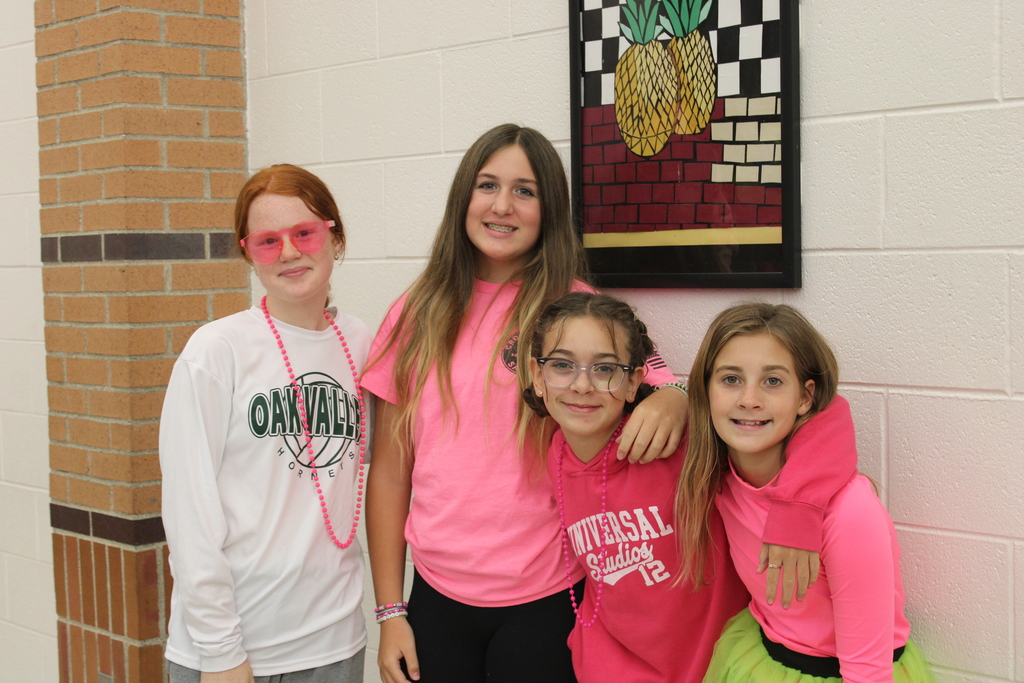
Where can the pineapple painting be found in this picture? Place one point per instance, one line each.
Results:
(694, 63)
(646, 82)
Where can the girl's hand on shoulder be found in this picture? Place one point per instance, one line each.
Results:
(799, 571)
(656, 426)
(240, 674)
(397, 643)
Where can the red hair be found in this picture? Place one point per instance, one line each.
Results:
(290, 181)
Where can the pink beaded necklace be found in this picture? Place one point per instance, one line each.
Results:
(604, 527)
(309, 436)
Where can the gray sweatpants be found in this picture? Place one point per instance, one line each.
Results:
(346, 671)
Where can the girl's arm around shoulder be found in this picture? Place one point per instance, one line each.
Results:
(861, 557)
(820, 458)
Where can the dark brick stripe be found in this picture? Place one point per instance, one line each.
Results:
(138, 246)
(134, 532)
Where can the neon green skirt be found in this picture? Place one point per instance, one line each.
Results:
(740, 657)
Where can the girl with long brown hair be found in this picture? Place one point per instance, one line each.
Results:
(488, 597)
(760, 374)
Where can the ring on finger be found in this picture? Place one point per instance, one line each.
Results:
(774, 566)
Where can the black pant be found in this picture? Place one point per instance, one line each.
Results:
(458, 643)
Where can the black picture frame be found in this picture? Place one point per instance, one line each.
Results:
(673, 220)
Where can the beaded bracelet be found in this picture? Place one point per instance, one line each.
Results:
(384, 616)
(380, 609)
(675, 385)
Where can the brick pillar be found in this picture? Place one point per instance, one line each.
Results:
(142, 149)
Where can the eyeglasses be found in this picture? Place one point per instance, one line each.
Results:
(562, 372)
(309, 237)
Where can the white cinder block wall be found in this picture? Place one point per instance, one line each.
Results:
(913, 158)
(28, 620)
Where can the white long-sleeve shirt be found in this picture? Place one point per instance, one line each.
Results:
(256, 575)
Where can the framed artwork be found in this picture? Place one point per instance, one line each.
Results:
(686, 141)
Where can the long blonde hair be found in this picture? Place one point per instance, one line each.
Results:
(707, 455)
(428, 326)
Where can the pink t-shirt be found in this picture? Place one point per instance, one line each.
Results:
(855, 609)
(482, 527)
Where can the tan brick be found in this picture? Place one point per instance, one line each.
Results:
(226, 124)
(63, 399)
(226, 303)
(47, 131)
(54, 368)
(154, 184)
(80, 188)
(58, 160)
(157, 309)
(50, 41)
(197, 154)
(72, 9)
(92, 371)
(224, 8)
(58, 487)
(48, 191)
(89, 432)
(113, 466)
(59, 219)
(205, 215)
(134, 437)
(57, 100)
(121, 89)
(43, 12)
(203, 93)
(151, 59)
(53, 309)
(112, 404)
(224, 63)
(226, 185)
(75, 127)
(124, 278)
(46, 72)
(209, 275)
(69, 459)
(180, 335)
(136, 500)
(124, 341)
(85, 309)
(79, 66)
(57, 428)
(64, 339)
(90, 494)
(121, 153)
(202, 31)
(150, 121)
(108, 28)
(140, 372)
(62, 279)
(170, 5)
(123, 216)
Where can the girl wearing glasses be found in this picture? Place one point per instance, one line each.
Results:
(489, 596)
(634, 623)
(262, 439)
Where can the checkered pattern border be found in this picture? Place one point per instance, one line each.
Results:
(745, 38)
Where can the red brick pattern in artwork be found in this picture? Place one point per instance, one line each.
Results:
(672, 190)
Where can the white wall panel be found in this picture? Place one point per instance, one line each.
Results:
(381, 109)
(956, 464)
(940, 195)
(875, 55)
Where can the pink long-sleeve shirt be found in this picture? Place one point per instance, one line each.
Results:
(855, 609)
